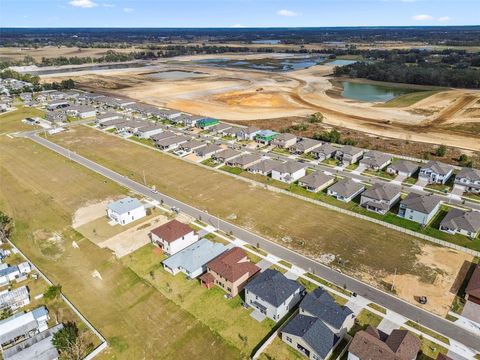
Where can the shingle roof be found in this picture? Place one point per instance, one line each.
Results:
(316, 334)
(124, 205)
(326, 149)
(404, 344)
(273, 287)
(163, 135)
(227, 154)
(264, 166)
(382, 192)
(375, 158)
(405, 166)
(246, 159)
(469, 173)
(350, 150)
(210, 148)
(231, 265)
(321, 304)
(285, 137)
(438, 167)
(306, 144)
(346, 187)
(172, 230)
(316, 179)
(464, 220)
(424, 203)
(473, 287)
(289, 167)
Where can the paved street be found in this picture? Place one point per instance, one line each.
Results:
(397, 305)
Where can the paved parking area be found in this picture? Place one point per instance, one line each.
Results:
(257, 315)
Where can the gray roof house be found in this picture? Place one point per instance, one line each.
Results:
(207, 151)
(289, 171)
(403, 168)
(225, 155)
(272, 294)
(147, 131)
(345, 190)
(419, 208)
(162, 136)
(468, 179)
(192, 145)
(110, 115)
(435, 172)
(375, 160)
(193, 260)
(15, 298)
(220, 127)
(326, 151)
(248, 133)
(304, 146)
(380, 197)
(38, 347)
(172, 142)
(23, 325)
(112, 123)
(285, 140)
(349, 154)
(461, 222)
(244, 161)
(264, 167)
(316, 181)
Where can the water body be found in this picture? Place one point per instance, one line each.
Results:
(342, 62)
(372, 93)
(176, 75)
(280, 64)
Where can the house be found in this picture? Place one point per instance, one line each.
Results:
(166, 113)
(173, 236)
(13, 272)
(349, 154)
(310, 336)
(244, 161)
(56, 116)
(207, 151)
(403, 168)
(435, 172)
(162, 136)
(272, 294)
(57, 104)
(15, 298)
(225, 155)
(320, 304)
(289, 171)
(265, 136)
(371, 344)
(192, 145)
(326, 151)
(207, 123)
(380, 198)
(468, 180)
(264, 167)
(146, 132)
(82, 112)
(39, 346)
(191, 120)
(346, 190)
(23, 325)
(230, 271)
(419, 208)
(135, 125)
(304, 146)
(126, 210)
(248, 133)
(461, 222)
(112, 124)
(285, 140)
(473, 287)
(375, 160)
(316, 181)
(107, 116)
(193, 260)
(181, 119)
(232, 131)
(171, 143)
(220, 128)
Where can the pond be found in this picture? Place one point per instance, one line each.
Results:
(341, 62)
(372, 92)
(175, 75)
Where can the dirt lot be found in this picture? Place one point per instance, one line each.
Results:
(365, 248)
(242, 94)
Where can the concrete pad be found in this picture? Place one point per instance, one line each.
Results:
(264, 264)
(468, 325)
(291, 275)
(400, 178)
(203, 232)
(459, 351)
(360, 169)
(257, 315)
(421, 182)
(387, 326)
(458, 190)
(357, 304)
(471, 311)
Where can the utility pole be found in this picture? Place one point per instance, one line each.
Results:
(393, 282)
(144, 179)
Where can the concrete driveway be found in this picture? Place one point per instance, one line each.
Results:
(471, 311)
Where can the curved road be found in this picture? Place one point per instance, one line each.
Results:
(393, 303)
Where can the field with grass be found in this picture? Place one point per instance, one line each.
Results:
(41, 191)
(364, 248)
(11, 122)
(408, 99)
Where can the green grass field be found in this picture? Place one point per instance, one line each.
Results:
(408, 99)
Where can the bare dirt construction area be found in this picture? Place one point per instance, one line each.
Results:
(241, 94)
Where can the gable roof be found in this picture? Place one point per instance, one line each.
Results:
(469, 173)
(473, 287)
(273, 287)
(172, 230)
(231, 265)
(209, 148)
(375, 158)
(382, 192)
(124, 205)
(321, 304)
(265, 165)
(405, 166)
(306, 144)
(424, 203)
(438, 167)
(316, 179)
(245, 159)
(315, 333)
(350, 150)
(464, 220)
(346, 187)
(289, 167)
(326, 149)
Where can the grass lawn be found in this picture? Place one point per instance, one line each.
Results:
(41, 191)
(278, 268)
(408, 99)
(281, 151)
(338, 349)
(430, 350)
(410, 181)
(148, 142)
(364, 319)
(352, 166)
(227, 317)
(331, 162)
(232, 170)
(111, 131)
(278, 350)
(359, 244)
(12, 121)
(428, 331)
(377, 307)
(329, 284)
(381, 174)
(209, 162)
(258, 250)
(285, 263)
(471, 196)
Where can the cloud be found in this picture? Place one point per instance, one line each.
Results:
(128, 10)
(285, 12)
(83, 3)
(422, 17)
(444, 19)
(238, 26)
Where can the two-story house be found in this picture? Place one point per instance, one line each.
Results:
(419, 208)
(173, 236)
(468, 180)
(435, 172)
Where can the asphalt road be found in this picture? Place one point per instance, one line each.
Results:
(393, 303)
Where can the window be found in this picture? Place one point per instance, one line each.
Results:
(288, 339)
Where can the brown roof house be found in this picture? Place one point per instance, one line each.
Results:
(473, 287)
(372, 344)
(173, 236)
(230, 271)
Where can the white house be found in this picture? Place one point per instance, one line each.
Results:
(468, 180)
(23, 325)
(435, 172)
(289, 171)
(173, 236)
(82, 112)
(10, 273)
(126, 210)
(15, 298)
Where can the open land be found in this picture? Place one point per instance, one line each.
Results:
(42, 191)
(449, 116)
(361, 248)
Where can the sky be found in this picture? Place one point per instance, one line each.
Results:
(237, 13)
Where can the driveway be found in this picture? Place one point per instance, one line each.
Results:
(421, 182)
(360, 169)
(471, 311)
(264, 264)
(458, 191)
